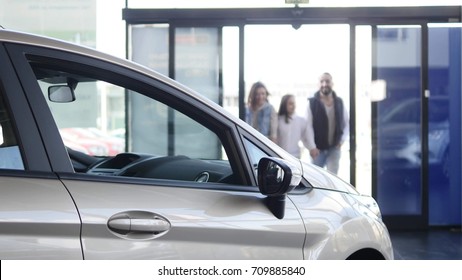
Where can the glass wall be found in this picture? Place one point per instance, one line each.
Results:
(149, 46)
(70, 20)
(197, 65)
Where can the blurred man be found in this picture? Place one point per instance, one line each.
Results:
(328, 125)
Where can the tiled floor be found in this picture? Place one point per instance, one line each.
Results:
(432, 244)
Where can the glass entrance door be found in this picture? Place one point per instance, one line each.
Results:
(290, 60)
(410, 78)
(389, 121)
(444, 123)
(397, 123)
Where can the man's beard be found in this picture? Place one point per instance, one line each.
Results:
(326, 92)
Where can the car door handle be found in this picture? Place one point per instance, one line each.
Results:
(138, 223)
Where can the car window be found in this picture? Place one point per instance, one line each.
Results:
(255, 153)
(10, 155)
(112, 130)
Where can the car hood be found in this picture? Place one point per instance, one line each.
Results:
(323, 179)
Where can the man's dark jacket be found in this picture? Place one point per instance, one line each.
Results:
(320, 123)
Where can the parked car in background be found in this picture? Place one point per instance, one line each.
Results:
(193, 182)
(107, 145)
(399, 135)
(88, 145)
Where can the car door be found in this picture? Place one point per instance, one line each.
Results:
(38, 219)
(183, 189)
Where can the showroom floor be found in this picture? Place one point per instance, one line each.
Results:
(432, 244)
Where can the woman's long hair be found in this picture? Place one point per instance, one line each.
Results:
(251, 100)
(283, 107)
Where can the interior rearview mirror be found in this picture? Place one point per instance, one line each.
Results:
(61, 94)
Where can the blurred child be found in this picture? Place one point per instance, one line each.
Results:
(292, 128)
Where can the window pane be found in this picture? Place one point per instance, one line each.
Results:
(93, 123)
(162, 143)
(10, 155)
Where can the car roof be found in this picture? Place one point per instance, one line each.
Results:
(53, 43)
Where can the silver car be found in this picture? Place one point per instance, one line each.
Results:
(193, 182)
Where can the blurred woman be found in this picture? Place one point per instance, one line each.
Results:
(292, 128)
(260, 114)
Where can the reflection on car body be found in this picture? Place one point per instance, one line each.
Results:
(217, 190)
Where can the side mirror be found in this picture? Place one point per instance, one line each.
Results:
(61, 94)
(277, 177)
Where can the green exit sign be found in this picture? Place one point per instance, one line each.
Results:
(297, 1)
